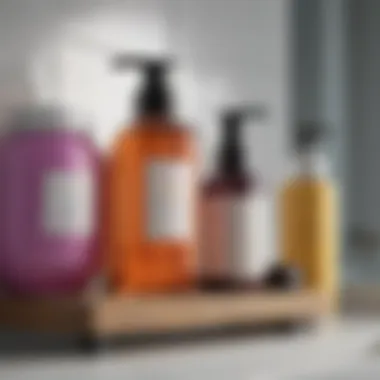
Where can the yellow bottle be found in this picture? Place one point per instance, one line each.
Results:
(308, 217)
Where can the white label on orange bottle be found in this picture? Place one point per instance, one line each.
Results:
(68, 203)
(169, 200)
(249, 236)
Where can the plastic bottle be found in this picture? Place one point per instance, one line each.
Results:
(152, 193)
(308, 223)
(234, 213)
(50, 201)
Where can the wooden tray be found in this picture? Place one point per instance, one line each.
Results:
(113, 314)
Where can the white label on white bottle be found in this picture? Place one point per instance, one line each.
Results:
(250, 236)
(169, 200)
(68, 203)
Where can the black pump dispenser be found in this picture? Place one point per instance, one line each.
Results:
(231, 156)
(154, 98)
(309, 135)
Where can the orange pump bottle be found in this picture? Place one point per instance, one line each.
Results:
(151, 239)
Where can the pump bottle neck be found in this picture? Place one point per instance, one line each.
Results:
(231, 160)
(313, 164)
(154, 100)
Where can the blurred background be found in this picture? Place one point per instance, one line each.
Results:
(303, 59)
(292, 56)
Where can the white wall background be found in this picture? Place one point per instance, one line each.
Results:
(228, 51)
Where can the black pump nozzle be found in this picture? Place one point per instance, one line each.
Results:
(154, 97)
(233, 118)
(309, 134)
(231, 156)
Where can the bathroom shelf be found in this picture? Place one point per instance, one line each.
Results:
(103, 317)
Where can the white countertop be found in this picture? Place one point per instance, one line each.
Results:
(344, 350)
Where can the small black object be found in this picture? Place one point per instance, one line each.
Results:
(283, 278)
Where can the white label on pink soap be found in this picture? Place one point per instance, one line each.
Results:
(68, 203)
